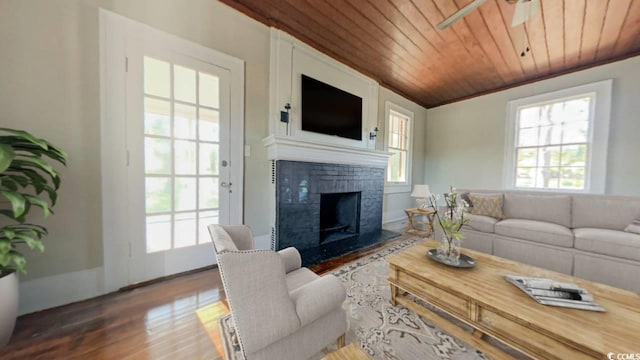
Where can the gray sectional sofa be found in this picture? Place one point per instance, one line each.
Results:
(581, 235)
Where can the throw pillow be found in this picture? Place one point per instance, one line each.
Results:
(634, 227)
(487, 205)
(465, 197)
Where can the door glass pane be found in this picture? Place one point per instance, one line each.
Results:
(206, 218)
(184, 124)
(157, 117)
(156, 77)
(185, 230)
(186, 191)
(208, 193)
(209, 90)
(209, 125)
(184, 80)
(157, 156)
(208, 159)
(185, 157)
(158, 233)
(158, 194)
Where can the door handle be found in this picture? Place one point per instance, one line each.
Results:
(225, 185)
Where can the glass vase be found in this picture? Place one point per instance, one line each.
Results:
(449, 250)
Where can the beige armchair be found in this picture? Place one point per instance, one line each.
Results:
(280, 310)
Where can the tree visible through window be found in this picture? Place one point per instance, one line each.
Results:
(553, 142)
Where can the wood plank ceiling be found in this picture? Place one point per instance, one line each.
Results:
(396, 42)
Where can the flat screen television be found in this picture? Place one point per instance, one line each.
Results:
(329, 110)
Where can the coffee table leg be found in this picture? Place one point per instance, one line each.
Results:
(394, 293)
(478, 334)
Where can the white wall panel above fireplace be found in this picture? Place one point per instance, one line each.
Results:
(289, 59)
(283, 148)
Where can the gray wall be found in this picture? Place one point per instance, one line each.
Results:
(49, 85)
(465, 140)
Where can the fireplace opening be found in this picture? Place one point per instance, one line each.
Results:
(339, 216)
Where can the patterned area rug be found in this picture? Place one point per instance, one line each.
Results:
(382, 330)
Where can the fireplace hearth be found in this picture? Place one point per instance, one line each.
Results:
(326, 210)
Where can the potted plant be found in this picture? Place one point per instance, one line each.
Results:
(451, 218)
(27, 180)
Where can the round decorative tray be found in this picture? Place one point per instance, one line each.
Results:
(465, 261)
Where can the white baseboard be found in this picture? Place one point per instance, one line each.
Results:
(393, 215)
(51, 291)
(263, 241)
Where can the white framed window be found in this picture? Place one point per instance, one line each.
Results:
(398, 136)
(558, 141)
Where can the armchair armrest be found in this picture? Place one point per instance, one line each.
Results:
(318, 298)
(291, 258)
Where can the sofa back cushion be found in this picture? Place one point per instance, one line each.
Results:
(554, 209)
(605, 212)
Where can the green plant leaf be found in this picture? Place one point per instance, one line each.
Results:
(9, 184)
(18, 202)
(31, 242)
(6, 156)
(34, 162)
(40, 203)
(25, 135)
(5, 246)
(9, 233)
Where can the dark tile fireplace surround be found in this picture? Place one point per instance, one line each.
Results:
(327, 210)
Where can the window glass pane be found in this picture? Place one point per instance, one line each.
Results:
(156, 77)
(577, 110)
(547, 178)
(525, 177)
(184, 124)
(397, 166)
(209, 125)
(574, 155)
(549, 156)
(206, 218)
(157, 115)
(550, 135)
(185, 163)
(528, 137)
(185, 194)
(575, 132)
(209, 90)
(395, 140)
(572, 178)
(184, 81)
(208, 193)
(185, 230)
(529, 117)
(158, 194)
(157, 156)
(545, 115)
(527, 157)
(557, 113)
(158, 233)
(208, 159)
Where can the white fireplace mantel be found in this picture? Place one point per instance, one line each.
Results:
(281, 148)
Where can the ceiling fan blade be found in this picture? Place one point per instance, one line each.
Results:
(525, 9)
(459, 14)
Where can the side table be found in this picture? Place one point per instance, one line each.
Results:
(413, 226)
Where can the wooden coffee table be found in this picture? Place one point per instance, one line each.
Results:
(483, 299)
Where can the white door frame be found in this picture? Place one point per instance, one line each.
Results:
(114, 157)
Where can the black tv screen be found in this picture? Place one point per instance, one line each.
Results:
(329, 110)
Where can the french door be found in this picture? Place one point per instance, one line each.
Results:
(179, 173)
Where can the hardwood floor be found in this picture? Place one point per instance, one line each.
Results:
(172, 319)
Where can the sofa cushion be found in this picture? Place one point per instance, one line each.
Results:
(608, 242)
(604, 212)
(548, 208)
(538, 231)
(634, 227)
(487, 205)
(481, 223)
